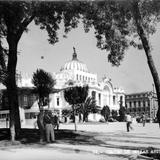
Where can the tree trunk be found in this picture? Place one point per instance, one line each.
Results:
(84, 117)
(74, 115)
(12, 87)
(146, 45)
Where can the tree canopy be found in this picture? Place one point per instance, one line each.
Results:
(121, 24)
(115, 25)
(89, 106)
(75, 96)
(105, 112)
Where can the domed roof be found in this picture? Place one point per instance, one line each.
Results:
(75, 64)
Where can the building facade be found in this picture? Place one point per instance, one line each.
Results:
(142, 102)
(76, 73)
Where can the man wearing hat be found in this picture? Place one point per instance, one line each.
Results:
(48, 124)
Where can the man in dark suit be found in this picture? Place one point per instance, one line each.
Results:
(49, 126)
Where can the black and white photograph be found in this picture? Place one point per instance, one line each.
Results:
(80, 80)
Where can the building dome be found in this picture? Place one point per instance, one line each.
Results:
(75, 64)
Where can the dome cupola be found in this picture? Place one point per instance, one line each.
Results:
(75, 64)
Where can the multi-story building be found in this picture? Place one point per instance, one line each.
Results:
(142, 102)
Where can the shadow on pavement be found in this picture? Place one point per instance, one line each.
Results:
(31, 137)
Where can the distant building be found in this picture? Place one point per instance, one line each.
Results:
(142, 102)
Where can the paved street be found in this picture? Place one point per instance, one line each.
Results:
(97, 141)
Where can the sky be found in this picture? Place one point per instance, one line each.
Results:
(133, 75)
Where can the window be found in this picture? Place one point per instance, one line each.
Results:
(144, 104)
(148, 103)
(58, 101)
(134, 103)
(93, 94)
(121, 99)
(31, 115)
(139, 103)
(25, 100)
(130, 104)
(32, 99)
(114, 100)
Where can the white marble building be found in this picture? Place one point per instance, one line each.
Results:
(75, 72)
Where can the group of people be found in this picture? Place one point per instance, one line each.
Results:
(46, 122)
(129, 121)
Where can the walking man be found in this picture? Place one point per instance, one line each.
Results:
(128, 122)
(143, 119)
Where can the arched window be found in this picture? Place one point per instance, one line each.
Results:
(130, 104)
(93, 94)
(114, 100)
(121, 98)
(106, 88)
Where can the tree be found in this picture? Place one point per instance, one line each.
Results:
(3, 67)
(74, 96)
(105, 112)
(114, 114)
(121, 24)
(14, 18)
(89, 106)
(66, 113)
(44, 84)
(122, 112)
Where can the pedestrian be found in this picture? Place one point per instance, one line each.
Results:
(143, 119)
(128, 122)
(40, 124)
(56, 121)
(49, 126)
